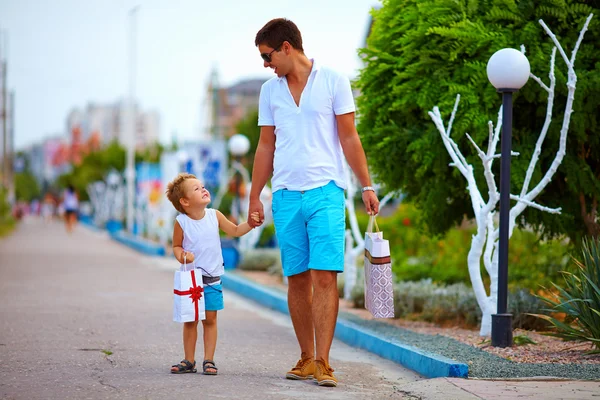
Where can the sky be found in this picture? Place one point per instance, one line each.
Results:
(64, 54)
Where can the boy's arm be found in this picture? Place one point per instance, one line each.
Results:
(230, 228)
(178, 242)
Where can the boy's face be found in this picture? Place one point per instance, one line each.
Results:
(195, 194)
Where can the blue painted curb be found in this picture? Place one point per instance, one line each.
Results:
(89, 223)
(425, 363)
(139, 244)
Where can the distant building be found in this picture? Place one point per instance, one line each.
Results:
(49, 159)
(100, 124)
(228, 105)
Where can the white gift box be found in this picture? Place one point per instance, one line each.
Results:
(379, 287)
(188, 297)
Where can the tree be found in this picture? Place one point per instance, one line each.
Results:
(27, 187)
(94, 167)
(424, 52)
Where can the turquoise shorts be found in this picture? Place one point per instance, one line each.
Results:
(213, 297)
(310, 227)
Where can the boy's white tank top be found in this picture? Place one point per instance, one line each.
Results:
(201, 237)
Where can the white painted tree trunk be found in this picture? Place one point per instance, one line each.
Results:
(484, 245)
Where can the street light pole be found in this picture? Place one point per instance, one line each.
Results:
(131, 120)
(508, 70)
(502, 320)
(238, 146)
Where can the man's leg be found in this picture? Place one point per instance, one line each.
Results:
(324, 310)
(300, 300)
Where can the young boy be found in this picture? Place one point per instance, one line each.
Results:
(196, 237)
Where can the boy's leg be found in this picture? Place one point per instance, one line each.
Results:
(190, 336)
(210, 336)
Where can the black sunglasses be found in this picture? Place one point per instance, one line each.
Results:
(267, 56)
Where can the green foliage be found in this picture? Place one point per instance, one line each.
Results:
(579, 299)
(26, 186)
(260, 259)
(249, 126)
(150, 154)
(7, 223)
(94, 167)
(451, 304)
(417, 255)
(521, 340)
(422, 53)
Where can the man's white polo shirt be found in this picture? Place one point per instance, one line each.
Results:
(308, 153)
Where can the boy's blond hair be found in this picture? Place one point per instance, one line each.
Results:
(175, 190)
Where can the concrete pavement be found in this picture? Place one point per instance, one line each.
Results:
(84, 317)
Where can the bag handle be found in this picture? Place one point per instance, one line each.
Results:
(372, 220)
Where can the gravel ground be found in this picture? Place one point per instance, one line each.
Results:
(482, 364)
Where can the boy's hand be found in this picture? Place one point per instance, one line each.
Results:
(187, 256)
(256, 218)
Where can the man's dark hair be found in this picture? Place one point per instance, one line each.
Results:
(277, 31)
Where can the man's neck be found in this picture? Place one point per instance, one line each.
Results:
(300, 71)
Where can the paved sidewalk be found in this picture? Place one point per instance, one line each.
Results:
(66, 302)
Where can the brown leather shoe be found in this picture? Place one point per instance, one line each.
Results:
(304, 369)
(324, 374)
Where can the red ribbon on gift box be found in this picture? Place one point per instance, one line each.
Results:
(195, 292)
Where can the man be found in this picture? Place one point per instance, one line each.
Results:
(306, 116)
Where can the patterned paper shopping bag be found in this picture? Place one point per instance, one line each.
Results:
(188, 297)
(379, 288)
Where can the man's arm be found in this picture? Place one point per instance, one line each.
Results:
(355, 155)
(262, 170)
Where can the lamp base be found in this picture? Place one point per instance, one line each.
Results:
(502, 335)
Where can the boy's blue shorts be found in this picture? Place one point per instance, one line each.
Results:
(213, 297)
(310, 227)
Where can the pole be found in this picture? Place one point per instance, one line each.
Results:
(238, 184)
(11, 146)
(131, 121)
(502, 320)
(3, 114)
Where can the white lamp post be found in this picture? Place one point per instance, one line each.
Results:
(508, 70)
(238, 146)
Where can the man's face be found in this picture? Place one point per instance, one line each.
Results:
(273, 58)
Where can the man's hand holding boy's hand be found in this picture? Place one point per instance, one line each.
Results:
(256, 207)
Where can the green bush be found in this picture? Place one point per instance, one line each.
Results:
(579, 299)
(260, 260)
(521, 303)
(428, 301)
(416, 256)
(7, 222)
